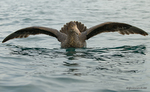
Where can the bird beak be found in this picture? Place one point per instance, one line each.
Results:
(77, 30)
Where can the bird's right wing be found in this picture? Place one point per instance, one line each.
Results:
(25, 32)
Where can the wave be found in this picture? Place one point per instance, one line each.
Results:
(71, 53)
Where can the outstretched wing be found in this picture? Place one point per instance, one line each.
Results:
(122, 28)
(25, 32)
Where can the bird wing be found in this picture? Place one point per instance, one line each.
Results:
(25, 32)
(122, 28)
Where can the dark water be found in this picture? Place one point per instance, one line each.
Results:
(110, 63)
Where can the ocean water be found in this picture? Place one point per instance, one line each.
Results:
(110, 63)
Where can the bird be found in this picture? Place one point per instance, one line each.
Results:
(74, 34)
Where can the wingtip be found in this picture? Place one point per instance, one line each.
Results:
(3, 41)
(139, 31)
(145, 34)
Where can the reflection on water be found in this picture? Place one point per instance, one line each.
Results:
(99, 54)
(112, 57)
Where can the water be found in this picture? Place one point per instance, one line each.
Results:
(110, 63)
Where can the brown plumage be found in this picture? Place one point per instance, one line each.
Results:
(74, 34)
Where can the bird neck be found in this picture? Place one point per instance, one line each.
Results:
(72, 39)
(72, 36)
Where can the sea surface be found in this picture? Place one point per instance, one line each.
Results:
(111, 62)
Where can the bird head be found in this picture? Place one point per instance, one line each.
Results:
(72, 27)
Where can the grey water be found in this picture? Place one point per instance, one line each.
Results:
(111, 62)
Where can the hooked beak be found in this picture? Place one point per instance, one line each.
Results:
(77, 30)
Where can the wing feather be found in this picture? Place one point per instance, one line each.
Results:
(25, 32)
(122, 28)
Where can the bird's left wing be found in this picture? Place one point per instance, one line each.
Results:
(122, 28)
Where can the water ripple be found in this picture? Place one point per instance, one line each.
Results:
(101, 54)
